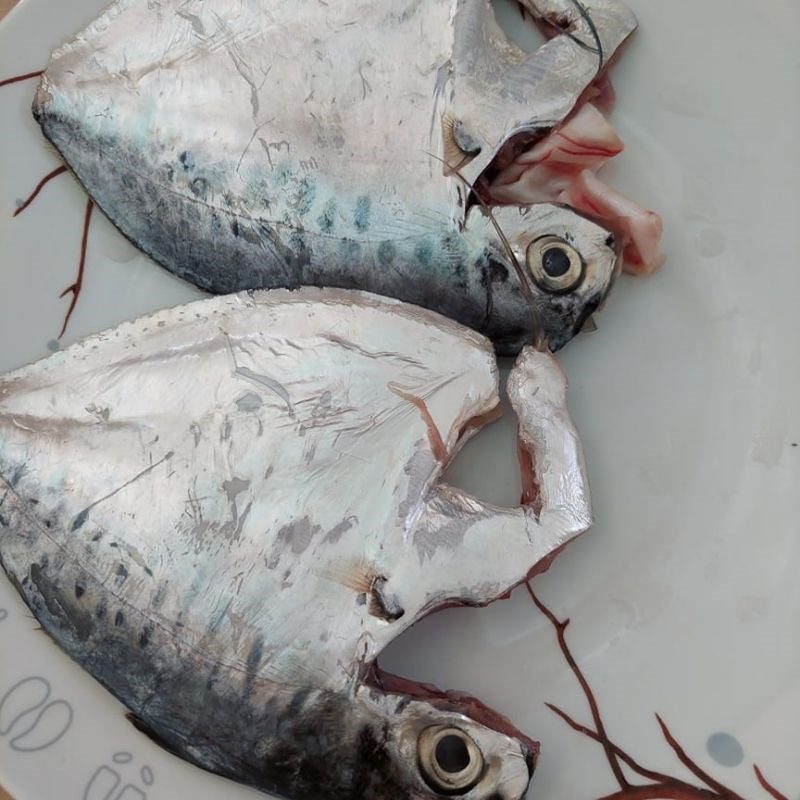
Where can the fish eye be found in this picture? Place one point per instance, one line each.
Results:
(449, 760)
(555, 265)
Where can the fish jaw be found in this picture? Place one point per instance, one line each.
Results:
(563, 167)
(586, 141)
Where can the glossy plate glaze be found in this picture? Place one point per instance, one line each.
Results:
(684, 598)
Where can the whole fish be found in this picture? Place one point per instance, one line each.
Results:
(225, 511)
(265, 144)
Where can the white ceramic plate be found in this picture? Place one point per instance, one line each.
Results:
(685, 598)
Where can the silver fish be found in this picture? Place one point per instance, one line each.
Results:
(225, 511)
(267, 144)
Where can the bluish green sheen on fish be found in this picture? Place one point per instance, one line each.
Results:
(265, 143)
(226, 511)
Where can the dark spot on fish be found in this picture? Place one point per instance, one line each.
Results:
(122, 572)
(297, 241)
(454, 248)
(361, 215)
(610, 241)
(79, 591)
(16, 476)
(213, 677)
(298, 701)
(250, 235)
(148, 572)
(361, 599)
(351, 250)
(234, 487)
(60, 607)
(235, 226)
(386, 253)
(187, 160)
(119, 619)
(255, 655)
(80, 519)
(101, 610)
(33, 501)
(144, 636)
(250, 402)
(226, 431)
(295, 536)
(423, 253)
(327, 218)
(335, 533)
(170, 172)
(97, 537)
(48, 523)
(199, 187)
(159, 596)
(374, 759)
(305, 196)
(492, 270)
(113, 544)
(253, 661)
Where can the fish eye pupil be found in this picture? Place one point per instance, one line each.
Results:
(556, 262)
(452, 754)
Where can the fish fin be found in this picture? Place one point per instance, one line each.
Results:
(144, 728)
(459, 147)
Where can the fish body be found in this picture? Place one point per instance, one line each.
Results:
(267, 144)
(225, 511)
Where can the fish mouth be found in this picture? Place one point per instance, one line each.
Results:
(559, 164)
(456, 702)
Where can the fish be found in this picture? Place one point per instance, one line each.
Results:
(225, 511)
(351, 145)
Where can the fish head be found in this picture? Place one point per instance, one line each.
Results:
(448, 744)
(568, 261)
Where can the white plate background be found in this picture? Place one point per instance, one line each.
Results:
(685, 597)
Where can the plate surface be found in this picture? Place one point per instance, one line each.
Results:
(684, 598)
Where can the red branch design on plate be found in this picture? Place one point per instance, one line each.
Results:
(660, 786)
(73, 289)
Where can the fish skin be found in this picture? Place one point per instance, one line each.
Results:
(188, 532)
(213, 140)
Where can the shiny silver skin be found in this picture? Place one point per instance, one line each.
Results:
(226, 510)
(266, 144)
